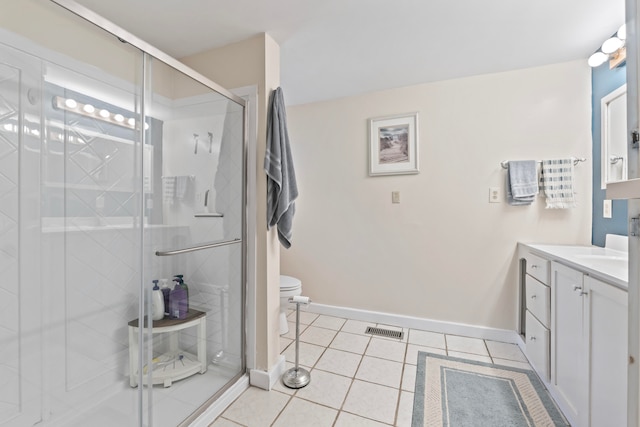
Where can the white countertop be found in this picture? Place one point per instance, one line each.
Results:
(608, 265)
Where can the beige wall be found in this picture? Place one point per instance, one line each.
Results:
(255, 61)
(444, 252)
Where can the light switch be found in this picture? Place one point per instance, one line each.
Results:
(395, 197)
(606, 208)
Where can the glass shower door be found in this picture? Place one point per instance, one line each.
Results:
(195, 207)
(71, 219)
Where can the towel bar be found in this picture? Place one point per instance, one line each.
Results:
(576, 160)
(197, 248)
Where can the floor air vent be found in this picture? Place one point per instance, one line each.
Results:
(384, 332)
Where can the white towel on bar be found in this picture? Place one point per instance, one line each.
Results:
(556, 180)
(168, 189)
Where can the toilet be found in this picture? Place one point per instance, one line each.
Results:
(289, 287)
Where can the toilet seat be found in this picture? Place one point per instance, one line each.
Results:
(288, 283)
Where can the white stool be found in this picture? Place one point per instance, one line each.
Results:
(289, 287)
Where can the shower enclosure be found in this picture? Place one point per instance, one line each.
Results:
(118, 166)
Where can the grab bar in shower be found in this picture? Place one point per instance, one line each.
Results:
(197, 248)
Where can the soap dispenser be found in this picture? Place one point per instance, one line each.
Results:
(166, 290)
(157, 302)
(184, 286)
(178, 301)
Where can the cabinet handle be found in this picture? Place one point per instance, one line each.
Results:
(533, 296)
(532, 338)
(534, 266)
(579, 288)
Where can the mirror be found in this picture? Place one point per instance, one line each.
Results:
(614, 136)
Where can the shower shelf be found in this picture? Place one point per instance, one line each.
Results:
(169, 366)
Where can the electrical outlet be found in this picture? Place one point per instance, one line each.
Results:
(494, 195)
(395, 197)
(606, 208)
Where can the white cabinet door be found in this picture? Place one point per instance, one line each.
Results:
(606, 324)
(567, 344)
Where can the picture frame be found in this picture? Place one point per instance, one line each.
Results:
(393, 145)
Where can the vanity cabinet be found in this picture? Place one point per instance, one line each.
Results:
(606, 327)
(567, 343)
(537, 317)
(574, 328)
(588, 348)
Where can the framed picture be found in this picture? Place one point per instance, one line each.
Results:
(393, 145)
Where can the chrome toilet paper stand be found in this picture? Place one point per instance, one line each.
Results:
(297, 377)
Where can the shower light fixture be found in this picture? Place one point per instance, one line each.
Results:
(613, 50)
(88, 110)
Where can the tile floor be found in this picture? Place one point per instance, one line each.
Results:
(357, 380)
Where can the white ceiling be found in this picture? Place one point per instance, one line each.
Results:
(337, 48)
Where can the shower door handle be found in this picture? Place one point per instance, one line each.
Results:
(197, 248)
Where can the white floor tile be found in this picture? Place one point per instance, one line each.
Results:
(326, 389)
(339, 362)
(426, 338)
(221, 422)
(318, 336)
(292, 330)
(405, 409)
(350, 342)
(302, 413)
(512, 363)
(308, 355)
(380, 371)
(466, 345)
(372, 401)
(346, 419)
(356, 327)
(386, 349)
(409, 378)
(503, 350)
(357, 380)
(329, 322)
(412, 353)
(306, 318)
(470, 356)
(256, 407)
(284, 342)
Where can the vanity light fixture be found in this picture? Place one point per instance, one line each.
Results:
(88, 110)
(613, 50)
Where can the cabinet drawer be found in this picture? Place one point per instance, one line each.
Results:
(538, 300)
(538, 268)
(537, 346)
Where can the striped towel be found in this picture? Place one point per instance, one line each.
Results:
(556, 181)
(183, 186)
(168, 189)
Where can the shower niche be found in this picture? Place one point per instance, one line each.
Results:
(102, 190)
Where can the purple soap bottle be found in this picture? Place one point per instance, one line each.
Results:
(178, 301)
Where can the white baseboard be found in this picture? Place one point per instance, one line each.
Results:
(228, 397)
(403, 321)
(266, 380)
